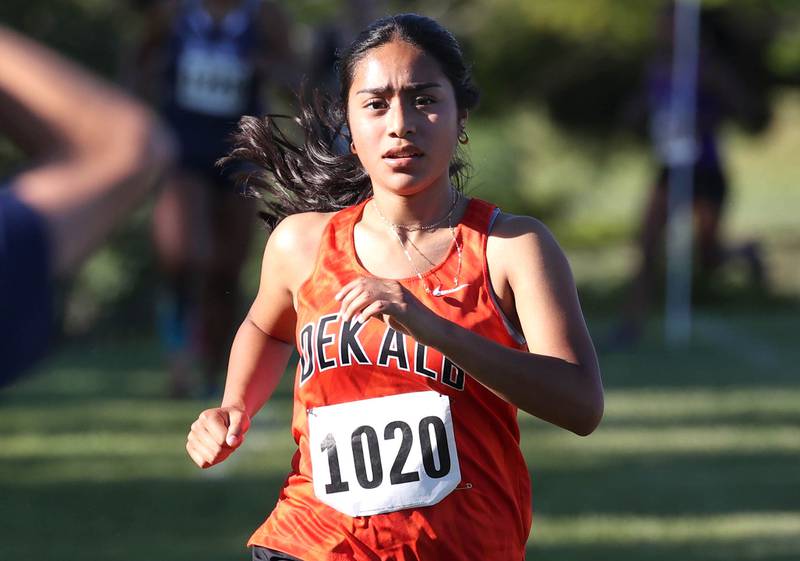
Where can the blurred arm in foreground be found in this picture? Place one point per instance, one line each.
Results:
(95, 154)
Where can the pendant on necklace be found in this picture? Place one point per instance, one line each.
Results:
(439, 292)
(394, 229)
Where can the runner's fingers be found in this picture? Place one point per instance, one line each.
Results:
(348, 287)
(216, 428)
(203, 444)
(349, 297)
(375, 309)
(384, 310)
(210, 441)
(215, 422)
(201, 455)
(195, 456)
(210, 433)
(362, 300)
(373, 288)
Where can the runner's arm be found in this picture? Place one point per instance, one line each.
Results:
(264, 341)
(99, 151)
(558, 379)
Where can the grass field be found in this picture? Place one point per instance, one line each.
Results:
(697, 458)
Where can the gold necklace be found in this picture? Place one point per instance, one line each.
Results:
(422, 227)
(437, 291)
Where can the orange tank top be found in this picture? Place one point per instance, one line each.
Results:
(487, 515)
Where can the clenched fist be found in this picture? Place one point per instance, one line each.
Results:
(216, 434)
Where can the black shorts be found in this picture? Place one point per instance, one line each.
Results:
(202, 140)
(267, 554)
(709, 183)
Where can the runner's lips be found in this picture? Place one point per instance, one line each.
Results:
(409, 151)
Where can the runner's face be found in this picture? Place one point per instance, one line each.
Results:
(403, 118)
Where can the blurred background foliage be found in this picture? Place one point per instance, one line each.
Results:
(697, 455)
(549, 138)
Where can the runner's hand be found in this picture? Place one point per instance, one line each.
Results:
(387, 300)
(216, 434)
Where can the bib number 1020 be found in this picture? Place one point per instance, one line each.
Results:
(431, 454)
(383, 454)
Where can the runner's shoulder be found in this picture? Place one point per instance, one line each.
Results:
(294, 243)
(298, 235)
(519, 240)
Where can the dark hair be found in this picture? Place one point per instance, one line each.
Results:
(320, 174)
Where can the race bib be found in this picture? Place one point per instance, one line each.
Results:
(212, 81)
(384, 454)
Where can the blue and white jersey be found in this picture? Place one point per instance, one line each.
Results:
(211, 64)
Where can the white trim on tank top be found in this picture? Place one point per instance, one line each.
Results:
(518, 337)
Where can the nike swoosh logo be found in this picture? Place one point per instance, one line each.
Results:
(439, 292)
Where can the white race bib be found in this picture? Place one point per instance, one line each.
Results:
(212, 81)
(384, 454)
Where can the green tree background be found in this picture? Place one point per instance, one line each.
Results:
(555, 77)
(697, 455)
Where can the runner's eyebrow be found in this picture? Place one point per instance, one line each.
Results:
(415, 87)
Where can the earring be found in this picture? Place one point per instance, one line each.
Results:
(463, 137)
(352, 147)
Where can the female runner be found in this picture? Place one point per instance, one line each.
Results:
(424, 319)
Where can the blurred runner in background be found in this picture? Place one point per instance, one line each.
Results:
(725, 91)
(205, 63)
(95, 153)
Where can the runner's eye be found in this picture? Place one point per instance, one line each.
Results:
(375, 104)
(424, 100)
